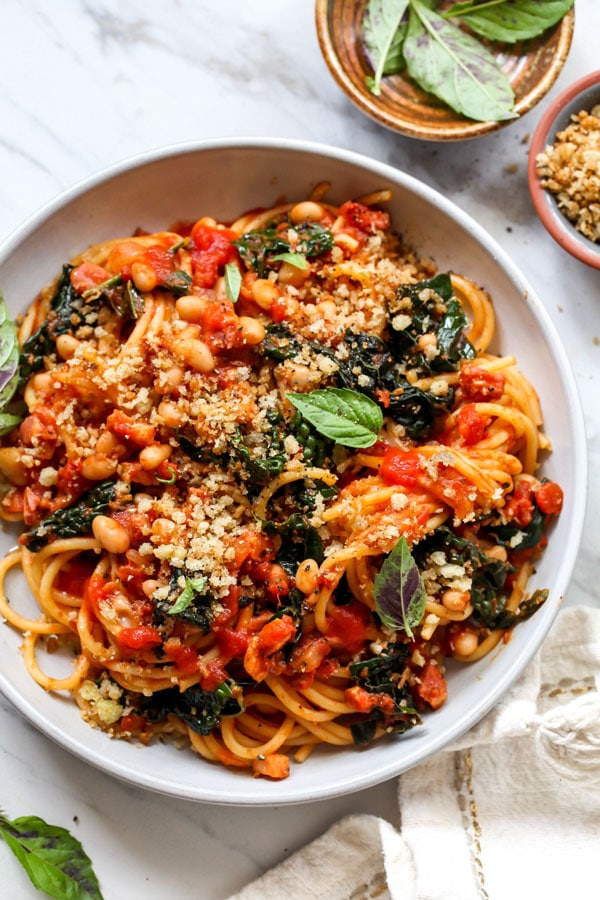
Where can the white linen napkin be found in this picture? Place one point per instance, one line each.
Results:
(512, 810)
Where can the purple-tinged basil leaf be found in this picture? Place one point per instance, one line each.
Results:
(455, 67)
(511, 20)
(54, 860)
(382, 35)
(9, 366)
(399, 590)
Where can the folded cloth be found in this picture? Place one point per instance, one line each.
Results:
(511, 810)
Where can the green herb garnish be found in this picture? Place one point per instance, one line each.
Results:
(54, 860)
(445, 58)
(345, 416)
(233, 282)
(399, 591)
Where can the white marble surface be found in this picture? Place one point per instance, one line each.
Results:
(85, 83)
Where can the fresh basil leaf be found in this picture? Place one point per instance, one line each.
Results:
(293, 259)
(9, 367)
(192, 587)
(399, 591)
(53, 859)
(455, 67)
(345, 416)
(233, 282)
(382, 37)
(510, 20)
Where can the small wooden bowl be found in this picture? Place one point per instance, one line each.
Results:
(532, 67)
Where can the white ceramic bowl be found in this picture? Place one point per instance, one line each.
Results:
(222, 179)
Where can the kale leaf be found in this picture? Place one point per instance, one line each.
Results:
(381, 675)
(433, 310)
(372, 369)
(71, 521)
(67, 311)
(299, 541)
(520, 537)
(201, 607)
(200, 710)
(258, 249)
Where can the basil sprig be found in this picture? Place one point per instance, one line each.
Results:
(54, 860)
(445, 59)
(233, 282)
(192, 587)
(9, 368)
(345, 416)
(399, 591)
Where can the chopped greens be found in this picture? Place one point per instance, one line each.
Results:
(200, 710)
(382, 675)
(72, 521)
(188, 601)
(260, 249)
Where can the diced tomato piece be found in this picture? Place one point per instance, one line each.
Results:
(133, 722)
(73, 577)
(549, 497)
(160, 261)
(365, 701)
(347, 626)
(274, 765)
(184, 656)
(471, 424)
(519, 505)
(229, 607)
(212, 250)
(480, 385)
(88, 275)
(139, 433)
(233, 643)
(432, 687)
(140, 637)
(365, 218)
(259, 658)
(213, 674)
(401, 467)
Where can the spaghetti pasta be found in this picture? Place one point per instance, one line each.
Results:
(215, 556)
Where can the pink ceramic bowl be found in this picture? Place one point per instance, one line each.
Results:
(584, 94)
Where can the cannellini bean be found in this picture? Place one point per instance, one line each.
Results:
(97, 467)
(195, 353)
(106, 443)
(465, 642)
(144, 276)
(150, 586)
(191, 308)
(306, 211)
(307, 576)
(170, 414)
(170, 380)
(455, 601)
(151, 457)
(163, 528)
(251, 329)
(42, 382)
(264, 292)
(12, 467)
(110, 534)
(497, 552)
(66, 345)
(123, 255)
(289, 274)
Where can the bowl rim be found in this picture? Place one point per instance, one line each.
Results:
(287, 792)
(464, 130)
(555, 223)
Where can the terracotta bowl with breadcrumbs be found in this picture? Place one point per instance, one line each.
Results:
(564, 170)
